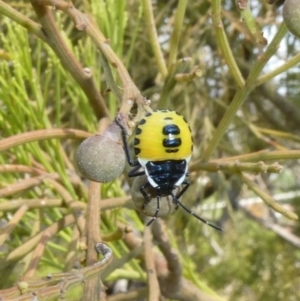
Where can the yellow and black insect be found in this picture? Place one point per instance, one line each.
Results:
(163, 145)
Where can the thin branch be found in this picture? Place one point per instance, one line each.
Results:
(57, 284)
(40, 135)
(153, 286)
(14, 221)
(17, 17)
(68, 60)
(283, 68)
(130, 92)
(25, 184)
(31, 243)
(246, 89)
(269, 200)
(153, 37)
(37, 255)
(223, 44)
(264, 155)
(174, 40)
(236, 167)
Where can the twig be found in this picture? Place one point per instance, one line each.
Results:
(169, 271)
(9, 168)
(250, 21)
(264, 155)
(70, 203)
(132, 295)
(5, 231)
(25, 184)
(40, 135)
(56, 284)
(120, 262)
(14, 15)
(153, 286)
(106, 204)
(30, 244)
(223, 44)
(68, 60)
(72, 250)
(173, 285)
(270, 201)
(131, 93)
(174, 40)
(279, 230)
(244, 90)
(93, 288)
(36, 256)
(236, 167)
(152, 33)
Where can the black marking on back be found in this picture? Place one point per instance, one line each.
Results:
(136, 141)
(172, 142)
(184, 119)
(137, 151)
(143, 121)
(138, 131)
(148, 114)
(171, 129)
(171, 150)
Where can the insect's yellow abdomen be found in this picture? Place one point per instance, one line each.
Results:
(163, 135)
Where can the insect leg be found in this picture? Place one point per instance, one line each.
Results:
(156, 211)
(176, 200)
(134, 172)
(184, 189)
(131, 162)
(145, 195)
(147, 200)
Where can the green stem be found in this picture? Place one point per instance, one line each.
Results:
(14, 15)
(174, 41)
(269, 200)
(150, 23)
(286, 66)
(223, 44)
(243, 92)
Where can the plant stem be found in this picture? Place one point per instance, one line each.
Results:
(152, 33)
(223, 44)
(244, 91)
(174, 41)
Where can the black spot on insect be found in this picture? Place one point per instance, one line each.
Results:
(171, 129)
(174, 142)
(136, 141)
(138, 131)
(171, 150)
(143, 121)
(148, 114)
(137, 151)
(168, 118)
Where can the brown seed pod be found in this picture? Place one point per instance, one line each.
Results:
(291, 16)
(167, 205)
(101, 158)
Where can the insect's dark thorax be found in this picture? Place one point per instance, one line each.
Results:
(166, 174)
